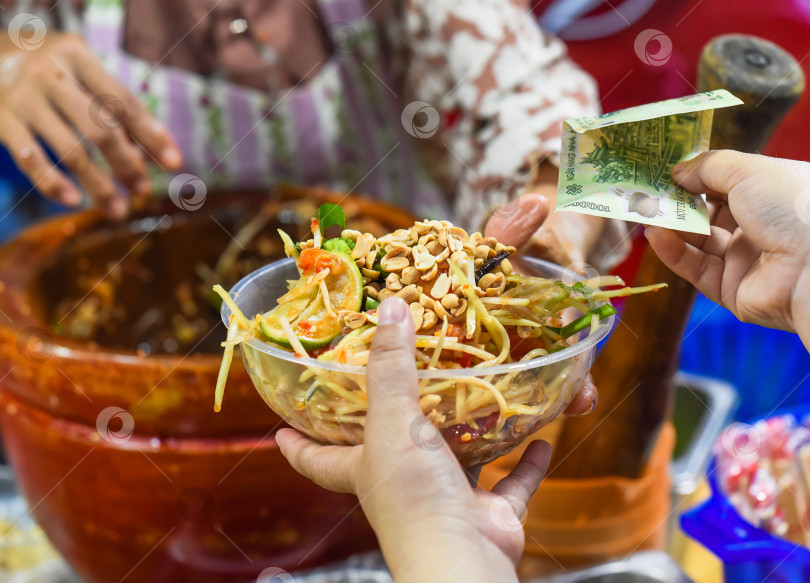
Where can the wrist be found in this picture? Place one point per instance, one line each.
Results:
(432, 551)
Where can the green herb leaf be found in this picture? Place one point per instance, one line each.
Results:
(371, 304)
(331, 214)
(582, 288)
(583, 321)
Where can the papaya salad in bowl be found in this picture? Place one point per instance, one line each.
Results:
(498, 354)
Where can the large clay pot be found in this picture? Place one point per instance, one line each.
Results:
(120, 456)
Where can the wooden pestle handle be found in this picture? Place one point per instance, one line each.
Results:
(635, 371)
(765, 77)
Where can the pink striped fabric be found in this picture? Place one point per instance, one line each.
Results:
(341, 128)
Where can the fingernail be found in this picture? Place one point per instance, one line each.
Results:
(392, 311)
(171, 157)
(143, 186)
(588, 412)
(538, 205)
(71, 197)
(117, 208)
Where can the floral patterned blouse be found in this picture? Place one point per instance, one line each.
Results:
(480, 90)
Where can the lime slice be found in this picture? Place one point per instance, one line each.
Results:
(312, 323)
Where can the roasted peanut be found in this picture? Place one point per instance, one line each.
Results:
(440, 311)
(392, 264)
(422, 259)
(370, 273)
(450, 301)
(443, 255)
(434, 247)
(371, 258)
(417, 313)
(488, 241)
(425, 239)
(392, 282)
(422, 228)
(355, 320)
(410, 275)
(431, 275)
(460, 258)
(399, 251)
(350, 234)
(384, 294)
(460, 308)
(441, 287)
(487, 281)
(457, 232)
(408, 293)
(362, 246)
(429, 319)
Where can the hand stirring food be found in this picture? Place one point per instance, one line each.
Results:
(474, 315)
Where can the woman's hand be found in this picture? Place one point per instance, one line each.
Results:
(756, 261)
(430, 524)
(59, 93)
(518, 224)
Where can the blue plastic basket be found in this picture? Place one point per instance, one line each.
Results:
(749, 554)
(717, 345)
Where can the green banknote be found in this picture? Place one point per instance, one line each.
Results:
(619, 164)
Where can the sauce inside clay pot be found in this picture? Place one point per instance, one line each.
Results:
(158, 299)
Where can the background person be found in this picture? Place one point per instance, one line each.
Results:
(439, 106)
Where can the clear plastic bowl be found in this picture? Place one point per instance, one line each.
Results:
(335, 413)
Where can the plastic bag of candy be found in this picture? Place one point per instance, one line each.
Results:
(763, 470)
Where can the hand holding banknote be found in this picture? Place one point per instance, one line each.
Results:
(756, 261)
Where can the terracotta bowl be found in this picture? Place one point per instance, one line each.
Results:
(123, 462)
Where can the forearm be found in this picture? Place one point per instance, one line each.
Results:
(418, 552)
